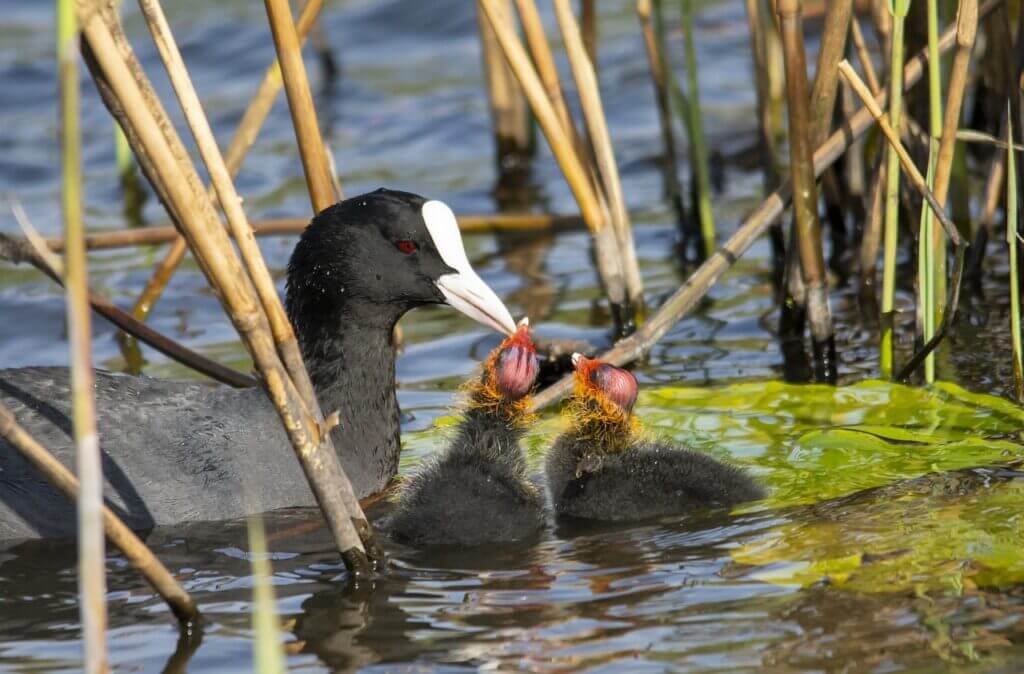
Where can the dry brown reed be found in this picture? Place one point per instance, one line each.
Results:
(245, 135)
(509, 115)
(315, 164)
(18, 251)
(698, 284)
(657, 63)
(802, 135)
(146, 125)
(562, 146)
(601, 146)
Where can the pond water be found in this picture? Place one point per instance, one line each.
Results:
(891, 540)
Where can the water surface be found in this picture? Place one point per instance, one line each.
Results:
(839, 571)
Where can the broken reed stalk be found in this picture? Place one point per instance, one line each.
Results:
(805, 200)
(92, 568)
(468, 225)
(887, 319)
(510, 117)
(280, 327)
(134, 550)
(656, 62)
(1012, 242)
(601, 143)
(697, 285)
(919, 182)
(300, 102)
(17, 251)
(245, 135)
(605, 239)
(695, 130)
(146, 123)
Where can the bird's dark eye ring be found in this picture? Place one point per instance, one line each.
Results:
(407, 247)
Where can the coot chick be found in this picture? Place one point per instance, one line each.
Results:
(603, 468)
(179, 452)
(477, 492)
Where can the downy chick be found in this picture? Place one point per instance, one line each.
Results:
(602, 468)
(477, 492)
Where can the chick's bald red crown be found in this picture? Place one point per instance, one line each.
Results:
(617, 385)
(516, 366)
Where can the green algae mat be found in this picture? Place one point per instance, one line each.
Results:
(873, 487)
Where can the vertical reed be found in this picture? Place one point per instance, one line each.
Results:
(588, 21)
(1012, 243)
(245, 135)
(658, 66)
(583, 189)
(695, 128)
(300, 102)
(145, 122)
(268, 652)
(91, 550)
(509, 115)
(601, 144)
(899, 9)
(805, 191)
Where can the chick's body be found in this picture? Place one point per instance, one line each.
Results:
(477, 492)
(604, 469)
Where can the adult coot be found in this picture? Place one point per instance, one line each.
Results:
(602, 468)
(477, 492)
(176, 452)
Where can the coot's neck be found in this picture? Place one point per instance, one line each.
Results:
(351, 360)
(601, 426)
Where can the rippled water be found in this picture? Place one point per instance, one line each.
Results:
(772, 588)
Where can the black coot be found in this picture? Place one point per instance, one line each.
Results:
(176, 452)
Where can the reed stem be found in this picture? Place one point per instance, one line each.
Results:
(703, 278)
(805, 201)
(19, 251)
(280, 327)
(92, 582)
(300, 101)
(656, 62)
(268, 654)
(1013, 243)
(695, 126)
(180, 184)
(245, 135)
(899, 9)
(600, 139)
(605, 239)
(509, 115)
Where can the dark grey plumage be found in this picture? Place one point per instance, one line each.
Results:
(477, 491)
(177, 452)
(645, 479)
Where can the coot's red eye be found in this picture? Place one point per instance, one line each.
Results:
(407, 247)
